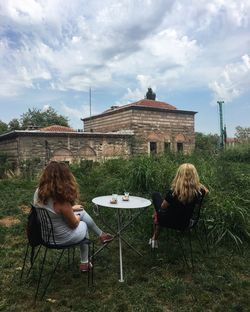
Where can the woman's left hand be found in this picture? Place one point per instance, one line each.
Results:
(77, 207)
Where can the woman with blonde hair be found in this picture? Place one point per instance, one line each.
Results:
(58, 192)
(175, 211)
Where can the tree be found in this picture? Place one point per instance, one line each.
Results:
(206, 142)
(3, 127)
(38, 118)
(14, 124)
(243, 134)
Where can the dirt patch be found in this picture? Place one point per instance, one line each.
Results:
(25, 209)
(9, 221)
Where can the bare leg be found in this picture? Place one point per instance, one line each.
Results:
(156, 232)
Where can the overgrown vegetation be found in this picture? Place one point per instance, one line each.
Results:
(159, 281)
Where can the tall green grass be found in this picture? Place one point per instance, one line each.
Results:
(226, 208)
(158, 281)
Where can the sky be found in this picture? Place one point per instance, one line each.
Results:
(192, 53)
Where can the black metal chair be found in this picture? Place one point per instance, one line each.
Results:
(192, 226)
(48, 241)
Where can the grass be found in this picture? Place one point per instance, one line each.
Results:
(158, 281)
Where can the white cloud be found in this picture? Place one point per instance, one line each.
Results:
(131, 45)
(233, 81)
(45, 107)
(144, 82)
(77, 113)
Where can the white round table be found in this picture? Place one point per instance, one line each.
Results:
(134, 202)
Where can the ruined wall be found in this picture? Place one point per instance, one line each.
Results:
(9, 147)
(64, 147)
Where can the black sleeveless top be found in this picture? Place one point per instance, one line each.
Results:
(178, 215)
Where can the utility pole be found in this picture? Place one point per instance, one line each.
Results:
(221, 124)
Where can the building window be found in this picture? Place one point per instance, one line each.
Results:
(179, 147)
(153, 147)
(167, 147)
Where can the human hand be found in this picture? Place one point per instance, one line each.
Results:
(77, 207)
(205, 189)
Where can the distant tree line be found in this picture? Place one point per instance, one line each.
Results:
(243, 134)
(34, 118)
(210, 142)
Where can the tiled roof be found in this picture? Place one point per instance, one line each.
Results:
(144, 103)
(57, 128)
(152, 103)
(231, 140)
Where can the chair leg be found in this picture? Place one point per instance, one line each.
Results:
(88, 262)
(206, 248)
(206, 237)
(182, 249)
(32, 263)
(91, 259)
(191, 249)
(24, 261)
(68, 258)
(52, 273)
(41, 271)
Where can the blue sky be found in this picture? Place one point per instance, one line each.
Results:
(191, 52)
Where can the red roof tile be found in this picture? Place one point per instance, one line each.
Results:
(152, 103)
(144, 103)
(231, 140)
(57, 128)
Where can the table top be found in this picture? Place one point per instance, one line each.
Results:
(133, 202)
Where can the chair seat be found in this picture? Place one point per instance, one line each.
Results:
(66, 246)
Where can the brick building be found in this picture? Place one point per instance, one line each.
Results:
(157, 126)
(62, 144)
(143, 127)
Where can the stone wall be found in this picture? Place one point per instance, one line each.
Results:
(9, 147)
(111, 122)
(21, 146)
(149, 125)
(163, 127)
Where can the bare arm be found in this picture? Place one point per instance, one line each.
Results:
(66, 210)
(77, 208)
(164, 204)
(205, 189)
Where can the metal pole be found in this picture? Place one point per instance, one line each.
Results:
(221, 125)
(120, 246)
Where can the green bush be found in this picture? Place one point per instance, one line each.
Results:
(240, 153)
(4, 165)
(29, 168)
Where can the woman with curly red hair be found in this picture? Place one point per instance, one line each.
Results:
(58, 192)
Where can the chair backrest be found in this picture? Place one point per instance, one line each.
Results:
(33, 228)
(196, 212)
(46, 226)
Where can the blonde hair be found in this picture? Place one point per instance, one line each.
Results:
(186, 184)
(58, 182)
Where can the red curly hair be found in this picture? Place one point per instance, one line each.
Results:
(58, 182)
